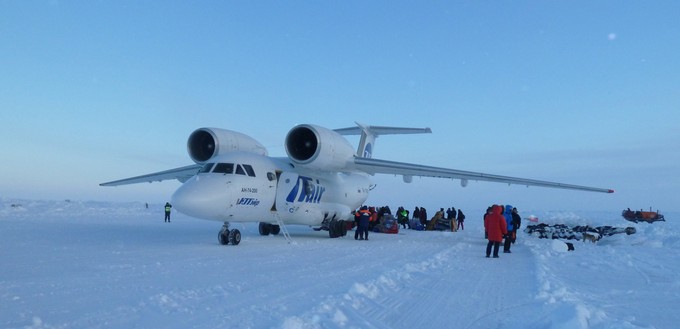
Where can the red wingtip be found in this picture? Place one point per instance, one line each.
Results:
(611, 191)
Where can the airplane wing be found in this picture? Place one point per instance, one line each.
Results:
(408, 170)
(181, 174)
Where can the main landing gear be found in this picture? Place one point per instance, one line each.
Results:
(266, 229)
(337, 228)
(226, 236)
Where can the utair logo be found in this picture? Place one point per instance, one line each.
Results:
(368, 151)
(248, 202)
(305, 191)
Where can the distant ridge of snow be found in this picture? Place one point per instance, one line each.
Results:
(20, 208)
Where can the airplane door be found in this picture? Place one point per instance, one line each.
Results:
(298, 199)
(286, 191)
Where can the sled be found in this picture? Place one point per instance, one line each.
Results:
(390, 226)
(642, 216)
(415, 224)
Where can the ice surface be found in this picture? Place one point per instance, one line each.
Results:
(73, 264)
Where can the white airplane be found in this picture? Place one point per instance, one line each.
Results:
(319, 184)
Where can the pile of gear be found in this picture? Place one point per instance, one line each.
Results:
(387, 224)
(561, 231)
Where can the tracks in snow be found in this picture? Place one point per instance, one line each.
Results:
(432, 292)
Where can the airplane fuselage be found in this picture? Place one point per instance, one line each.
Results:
(248, 187)
(321, 181)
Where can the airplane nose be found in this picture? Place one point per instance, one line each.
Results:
(196, 199)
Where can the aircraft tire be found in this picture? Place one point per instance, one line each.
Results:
(235, 237)
(337, 228)
(343, 227)
(223, 236)
(264, 228)
(332, 229)
(275, 229)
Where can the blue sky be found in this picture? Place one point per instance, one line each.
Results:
(582, 92)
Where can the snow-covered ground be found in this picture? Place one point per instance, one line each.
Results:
(72, 264)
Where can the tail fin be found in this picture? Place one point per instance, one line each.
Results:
(370, 133)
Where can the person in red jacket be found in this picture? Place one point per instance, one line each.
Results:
(496, 227)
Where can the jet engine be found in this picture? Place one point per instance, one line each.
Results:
(206, 143)
(318, 148)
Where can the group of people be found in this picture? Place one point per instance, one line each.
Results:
(455, 219)
(500, 225)
(379, 218)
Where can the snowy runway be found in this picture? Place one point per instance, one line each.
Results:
(100, 265)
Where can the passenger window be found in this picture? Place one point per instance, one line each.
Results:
(271, 176)
(206, 168)
(249, 170)
(224, 168)
(309, 187)
(239, 170)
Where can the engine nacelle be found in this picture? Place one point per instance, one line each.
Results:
(206, 143)
(318, 148)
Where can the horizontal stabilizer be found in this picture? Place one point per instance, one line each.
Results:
(370, 133)
(381, 130)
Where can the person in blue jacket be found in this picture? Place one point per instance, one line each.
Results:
(507, 213)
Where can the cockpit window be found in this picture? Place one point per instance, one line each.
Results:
(206, 168)
(239, 170)
(229, 168)
(249, 170)
(224, 168)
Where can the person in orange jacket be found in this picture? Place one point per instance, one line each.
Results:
(362, 229)
(496, 227)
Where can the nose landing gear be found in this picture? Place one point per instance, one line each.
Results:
(227, 236)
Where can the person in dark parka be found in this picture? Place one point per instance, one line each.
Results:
(461, 219)
(516, 223)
